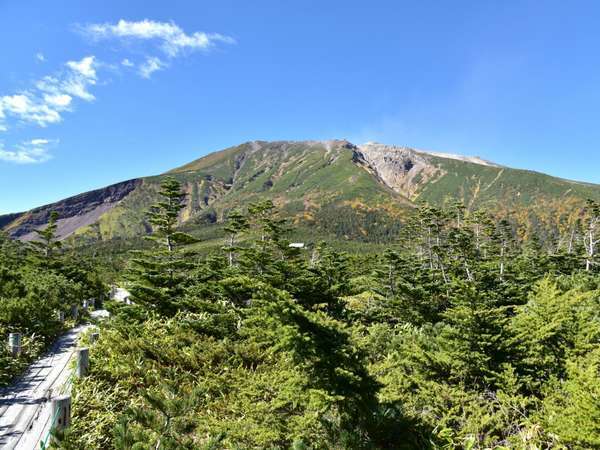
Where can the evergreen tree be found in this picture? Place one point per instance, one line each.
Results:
(156, 277)
(571, 408)
(477, 335)
(447, 341)
(48, 241)
(270, 245)
(390, 273)
(503, 238)
(553, 326)
(236, 223)
(482, 226)
(164, 216)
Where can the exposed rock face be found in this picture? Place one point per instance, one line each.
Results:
(8, 218)
(74, 212)
(400, 168)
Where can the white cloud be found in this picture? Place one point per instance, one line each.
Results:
(46, 101)
(151, 65)
(39, 141)
(74, 82)
(85, 67)
(29, 152)
(52, 95)
(29, 108)
(171, 38)
(2, 117)
(58, 100)
(152, 36)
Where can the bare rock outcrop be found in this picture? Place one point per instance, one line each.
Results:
(402, 169)
(73, 213)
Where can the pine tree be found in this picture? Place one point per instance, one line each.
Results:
(164, 216)
(483, 228)
(553, 325)
(390, 273)
(270, 244)
(477, 335)
(48, 241)
(503, 239)
(571, 409)
(461, 250)
(156, 277)
(236, 224)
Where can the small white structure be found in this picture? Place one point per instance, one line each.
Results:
(120, 295)
(296, 245)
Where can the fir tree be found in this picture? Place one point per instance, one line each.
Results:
(236, 224)
(156, 277)
(270, 244)
(164, 216)
(48, 241)
(477, 335)
(503, 239)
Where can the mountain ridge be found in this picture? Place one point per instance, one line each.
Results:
(310, 181)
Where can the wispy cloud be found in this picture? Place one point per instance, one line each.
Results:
(75, 82)
(29, 108)
(171, 39)
(85, 67)
(44, 103)
(151, 65)
(48, 98)
(29, 152)
(167, 38)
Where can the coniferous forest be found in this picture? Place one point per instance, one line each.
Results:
(36, 283)
(463, 333)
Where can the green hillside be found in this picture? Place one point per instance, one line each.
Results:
(329, 188)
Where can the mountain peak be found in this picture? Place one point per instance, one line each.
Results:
(311, 181)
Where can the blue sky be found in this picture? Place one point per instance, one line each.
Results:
(96, 92)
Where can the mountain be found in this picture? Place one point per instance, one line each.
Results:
(336, 187)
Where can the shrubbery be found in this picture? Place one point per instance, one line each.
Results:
(462, 336)
(34, 285)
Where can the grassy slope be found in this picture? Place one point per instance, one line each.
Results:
(479, 185)
(539, 201)
(301, 179)
(318, 186)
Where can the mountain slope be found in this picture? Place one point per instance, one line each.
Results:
(75, 212)
(352, 191)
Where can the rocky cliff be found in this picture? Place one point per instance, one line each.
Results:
(402, 169)
(74, 212)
